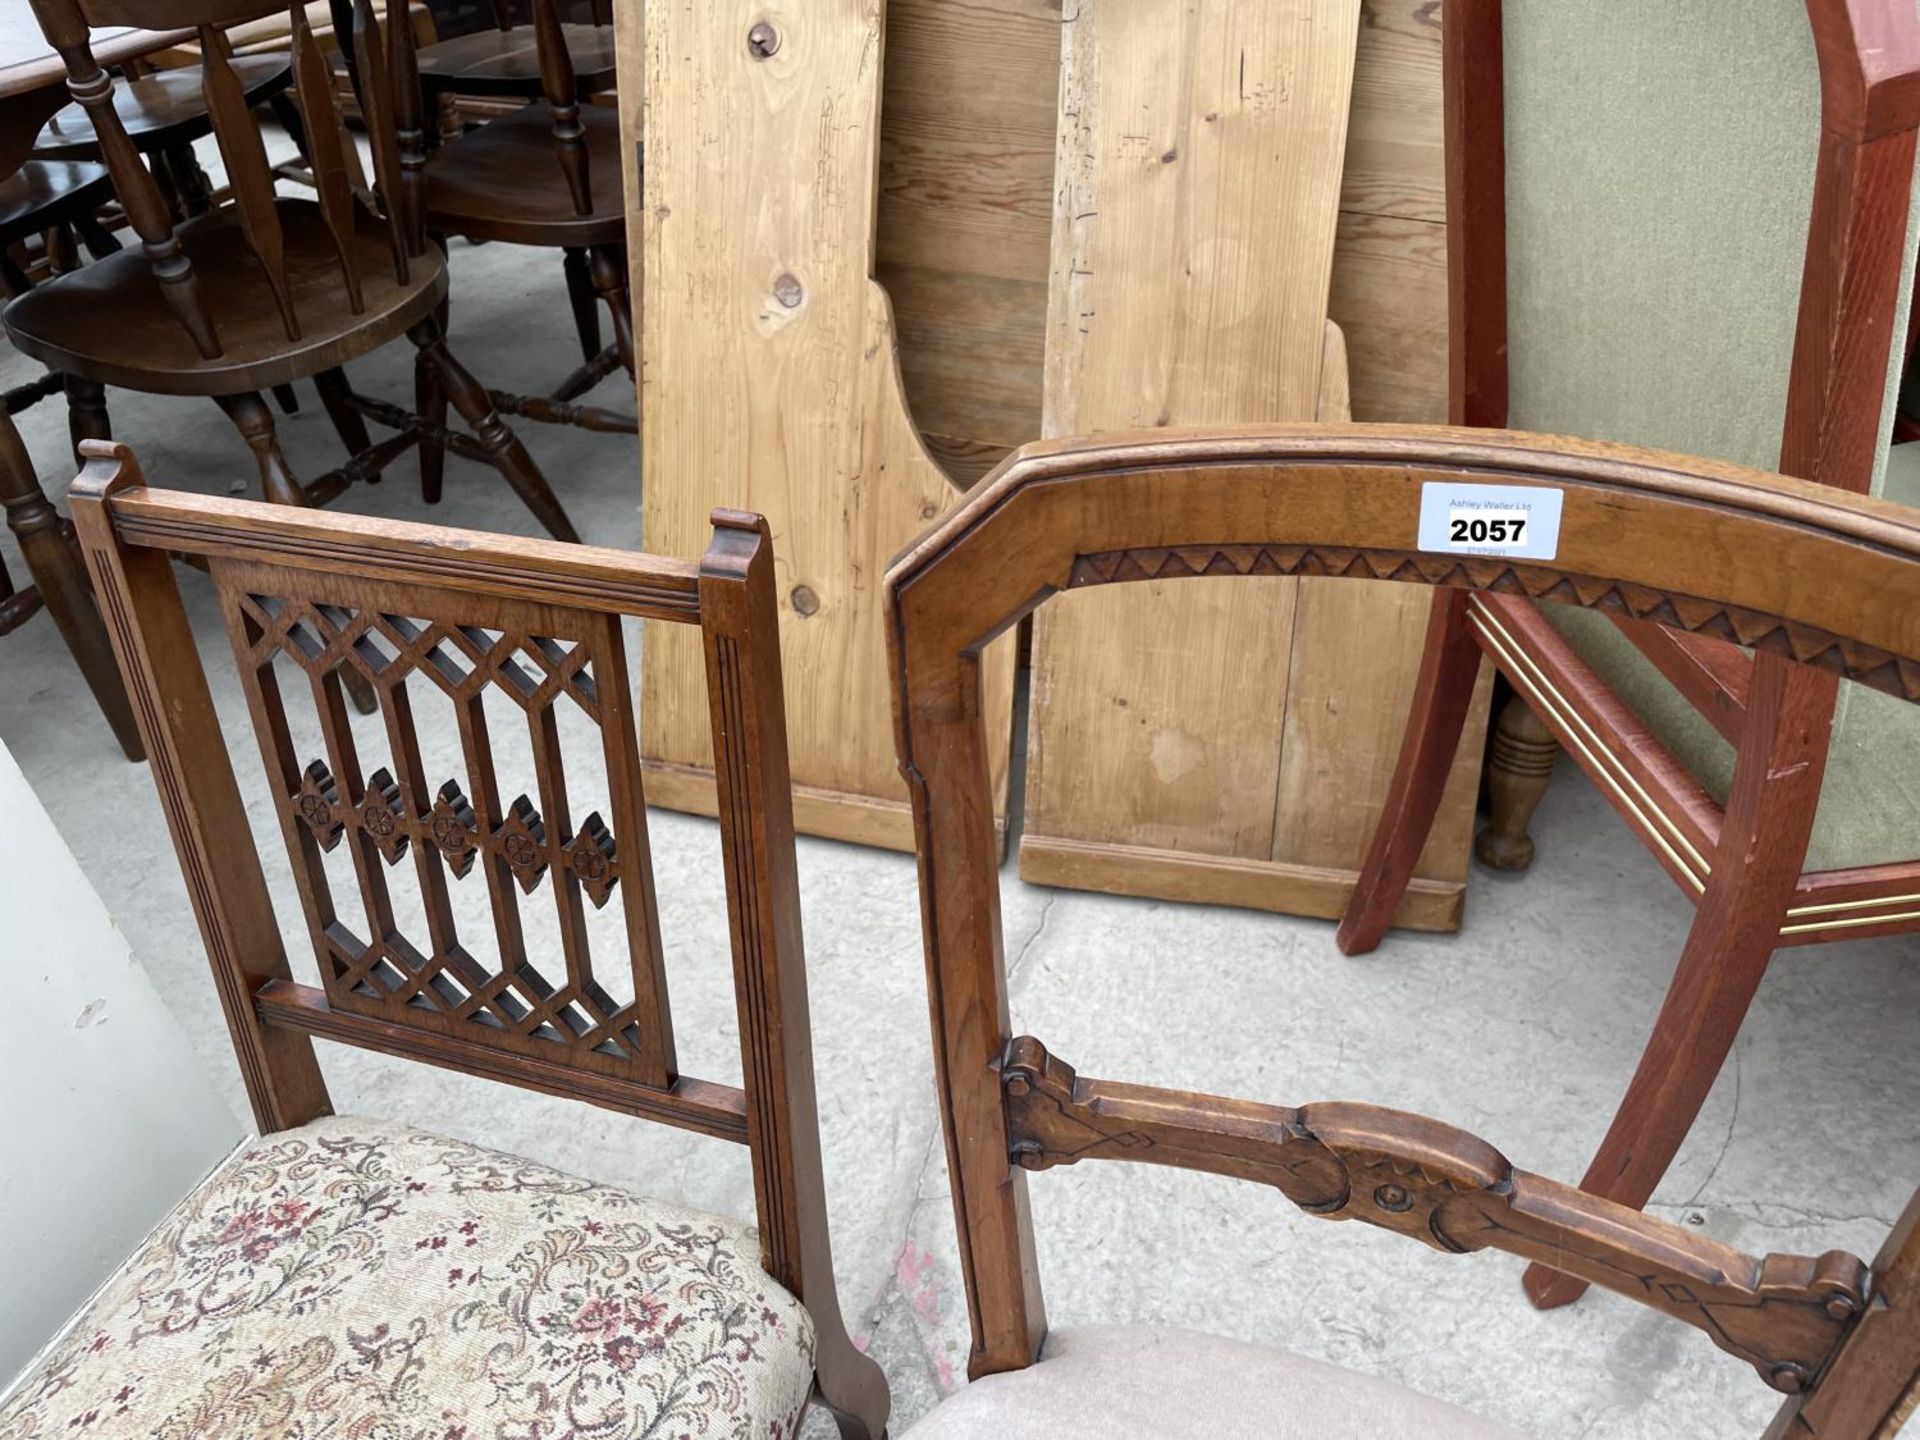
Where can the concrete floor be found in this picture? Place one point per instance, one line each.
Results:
(1523, 1028)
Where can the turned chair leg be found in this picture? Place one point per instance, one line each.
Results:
(1519, 768)
(192, 184)
(61, 580)
(430, 403)
(254, 420)
(95, 236)
(63, 255)
(1756, 865)
(86, 413)
(503, 447)
(580, 294)
(1449, 669)
(452, 127)
(347, 421)
(610, 279)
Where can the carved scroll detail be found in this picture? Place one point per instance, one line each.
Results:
(1783, 1314)
(1863, 664)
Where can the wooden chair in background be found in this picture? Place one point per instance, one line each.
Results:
(499, 64)
(37, 196)
(263, 290)
(1797, 571)
(59, 583)
(1671, 320)
(162, 112)
(500, 68)
(547, 174)
(602, 1311)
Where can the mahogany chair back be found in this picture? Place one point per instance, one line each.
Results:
(1796, 571)
(250, 178)
(505, 636)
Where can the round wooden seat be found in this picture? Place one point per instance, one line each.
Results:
(503, 182)
(42, 190)
(507, 62)
(110, 323)
(161, 109)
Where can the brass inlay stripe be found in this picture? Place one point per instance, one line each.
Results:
(1589, 743)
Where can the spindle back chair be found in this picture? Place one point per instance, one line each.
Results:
(502, 64)
(546, 175)
(1797, 572)
(265, 290)
(481, 627)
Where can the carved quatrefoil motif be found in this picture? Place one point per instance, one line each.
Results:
(523, 842)
(383, 816)
(317, 802)
(591, 857)
(452, 827)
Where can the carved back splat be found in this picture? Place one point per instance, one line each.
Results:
(525, 849)
(1793, 569)
(516, 638)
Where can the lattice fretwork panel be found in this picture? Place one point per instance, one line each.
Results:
(430, 824)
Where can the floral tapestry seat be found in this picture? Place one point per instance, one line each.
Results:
(358, 1278)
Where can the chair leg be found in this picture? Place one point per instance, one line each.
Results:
(86, 413)
(287, 399)
(610, 279)
(1449, 667)
(61, 580)
(63, 255)
(347, 422)
(586, 318)
(1763, 844)
(1518, 771)
(254, 421)
(452, 127)
(194, 187)
(95, 236)
(430, 403)
(503, 447)
(287, 112)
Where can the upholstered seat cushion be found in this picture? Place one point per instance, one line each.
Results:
(1125, 1382)
(357, 1278)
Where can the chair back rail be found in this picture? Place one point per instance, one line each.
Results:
(1792, 569)
(534, 628)
(66, 24)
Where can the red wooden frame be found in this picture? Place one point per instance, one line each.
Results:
(1749, 902)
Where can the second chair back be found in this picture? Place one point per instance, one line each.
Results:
(1793, 570)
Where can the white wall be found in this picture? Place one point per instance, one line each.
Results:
(106, 1117)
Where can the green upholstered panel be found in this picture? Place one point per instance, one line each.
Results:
(1660, 165)
(1870, 804)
